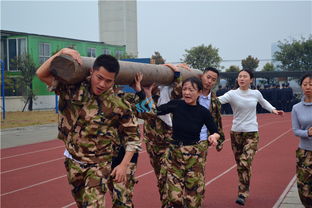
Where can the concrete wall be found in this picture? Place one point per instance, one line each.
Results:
(118, 24)
(16, 103)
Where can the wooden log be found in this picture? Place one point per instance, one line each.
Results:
(67, 70)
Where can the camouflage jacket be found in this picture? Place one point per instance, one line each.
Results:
(215, 110)
(90, 125)
(156, 131)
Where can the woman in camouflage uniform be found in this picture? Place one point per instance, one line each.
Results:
(302, 126)
(244, 131)
(185, 158)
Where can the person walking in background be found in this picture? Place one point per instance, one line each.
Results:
(301, 116)
(91, 121)
(244, 131)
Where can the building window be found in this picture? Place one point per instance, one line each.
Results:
(44, 52)
(119, 54)
(91, 52)
(16, 47)
(106, 51)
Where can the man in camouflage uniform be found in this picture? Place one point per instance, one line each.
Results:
(209, 100)
(122, 192)
(91, 120)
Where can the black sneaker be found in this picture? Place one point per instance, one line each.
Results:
(240, 200)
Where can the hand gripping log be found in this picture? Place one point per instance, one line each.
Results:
(67, 70)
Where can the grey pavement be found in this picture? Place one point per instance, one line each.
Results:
(290, 197)
(292, 200)
(28, 135)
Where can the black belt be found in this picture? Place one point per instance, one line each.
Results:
(185, 143)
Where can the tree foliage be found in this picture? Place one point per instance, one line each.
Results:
(268, 67)
(157, 58)
(250, 63)
(295, 55)
(27, 67)
(233, 68)
(201, 57)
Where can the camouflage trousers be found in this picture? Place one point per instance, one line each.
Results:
(122, 193)
(156, 154)
(304, 176)
(244, 146)
(89, 182)
(185, 181)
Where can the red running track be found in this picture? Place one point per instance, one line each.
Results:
(34, 175)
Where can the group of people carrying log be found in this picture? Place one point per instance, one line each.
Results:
(98, 125)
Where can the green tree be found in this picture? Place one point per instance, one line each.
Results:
(233, 68)
(295, 55)
(25, 64)
(268, 67)
(201, 57)
(250, 63)
(157, 58)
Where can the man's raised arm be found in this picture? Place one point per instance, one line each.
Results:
(44, 73)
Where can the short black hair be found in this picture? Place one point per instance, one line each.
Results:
(305, 76)
(195, 81)
(109, 62)
(211, 69)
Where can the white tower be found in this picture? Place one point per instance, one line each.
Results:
(118, 23)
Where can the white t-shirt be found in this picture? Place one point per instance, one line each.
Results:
(244, 106)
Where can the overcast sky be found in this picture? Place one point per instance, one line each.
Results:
(236, 28)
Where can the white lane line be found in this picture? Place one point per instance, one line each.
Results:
(283, 195)
(69, 205)
(144, 174)
(275, 139)
(36, 184)
(29, 166)
(27, 153)
(219, 176)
